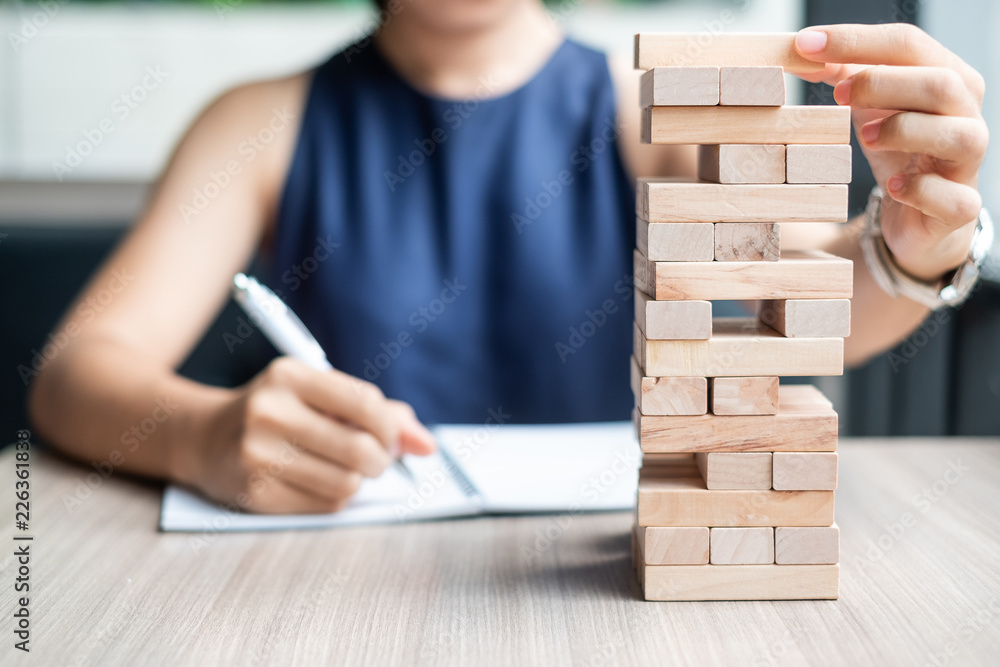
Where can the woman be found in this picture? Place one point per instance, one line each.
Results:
(449, 207)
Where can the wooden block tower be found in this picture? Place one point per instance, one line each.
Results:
(736, 490)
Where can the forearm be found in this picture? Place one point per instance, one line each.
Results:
(101, 402)
(878, 321)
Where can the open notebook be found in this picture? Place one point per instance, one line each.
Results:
(508, 469)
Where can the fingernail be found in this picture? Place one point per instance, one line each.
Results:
(842, 92)
(810, 41)
(395, 448)
(871, 131)
(895, 184)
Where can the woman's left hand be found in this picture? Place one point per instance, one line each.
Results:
(917, 110)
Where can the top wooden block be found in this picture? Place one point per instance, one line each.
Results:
(722, 50)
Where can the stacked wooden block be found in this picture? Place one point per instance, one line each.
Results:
(736, 490)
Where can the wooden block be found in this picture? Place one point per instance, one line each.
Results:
(816, 124)
(744, 395)
(673, 546)
(805, 471)
(673, 320)
(679, 242)
(741, 163)
(742, 546)
(752, 86)
(798, 274)
(677, 583)
(747, 242)
(805, 423)
(727, 49)
(684, 501)
(734, 470)
(807, 546)
(669, 396)
(739, 347)
(679, 86)
(679, 200)
(818, 164)
(808, 318)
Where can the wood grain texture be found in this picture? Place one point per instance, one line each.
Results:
(806, 422)
(759, 86)
(807, 318)
(746, 125)
(673, 320)
(818, 164)
(805, 274)
(668, 396)
(739, 347)
(681, 200)
(805, 471)
(747, 242)
(734, 470)
(807, 546)
(744, 395)
(684, 501)
(678, 242)
(721, 49)
(452, 586)
(741, 582)
(679, 86)
(741, 163)
(742, 546)
(673, 546)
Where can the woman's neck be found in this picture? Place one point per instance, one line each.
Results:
(476, 62)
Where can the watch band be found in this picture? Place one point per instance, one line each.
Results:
(896, 282)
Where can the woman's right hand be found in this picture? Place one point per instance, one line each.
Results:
(298, 440)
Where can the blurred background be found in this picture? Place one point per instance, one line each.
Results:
(70, 186)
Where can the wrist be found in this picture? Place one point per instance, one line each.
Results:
(939, 262)
(889, 273)
(194, 431)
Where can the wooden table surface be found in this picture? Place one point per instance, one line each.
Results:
(920, 582)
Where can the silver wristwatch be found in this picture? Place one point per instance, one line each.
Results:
(897, 282)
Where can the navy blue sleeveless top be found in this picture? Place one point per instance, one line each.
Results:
(471, 257)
